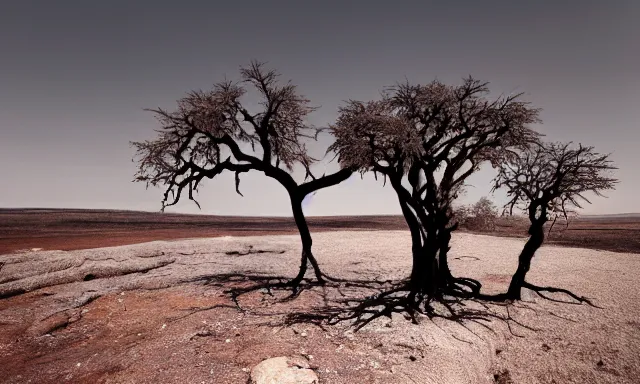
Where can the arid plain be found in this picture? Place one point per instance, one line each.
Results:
(119, 297)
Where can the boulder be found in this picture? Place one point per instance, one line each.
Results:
(283, 370)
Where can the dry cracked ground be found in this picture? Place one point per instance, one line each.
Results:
(159, 313)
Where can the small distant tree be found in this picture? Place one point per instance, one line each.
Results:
(209, 130)
(461, 215)
(482, 215)
(546, 181)
(427, 140)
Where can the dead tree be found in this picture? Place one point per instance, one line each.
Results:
(460, 129)
(207, 133)
(546, 181)
(427, 140)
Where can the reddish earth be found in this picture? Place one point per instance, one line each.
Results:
(179, 333)
(195, 336)
(618, 234)
(71, 229)
(158, 313)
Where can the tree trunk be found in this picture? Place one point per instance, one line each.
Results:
(424, 279)
(424, 273)
(536, 232)
(443, 257)
(297, 194)
(307, 242)
(422, 269)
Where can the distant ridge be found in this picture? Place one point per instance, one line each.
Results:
(613, 216)
(629, 215)
(158, 212)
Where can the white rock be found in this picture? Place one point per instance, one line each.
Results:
(282, 370)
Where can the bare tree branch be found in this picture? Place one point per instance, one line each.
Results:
(549, 179)
(415, 132)
(209, 125)
(554, 177)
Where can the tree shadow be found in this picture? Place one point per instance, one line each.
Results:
(358, 302)
(238, 284)
(358, 312)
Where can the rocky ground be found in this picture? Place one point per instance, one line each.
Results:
(158, 312)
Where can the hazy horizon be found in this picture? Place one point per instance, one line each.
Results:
(75, 78)
(623, 214)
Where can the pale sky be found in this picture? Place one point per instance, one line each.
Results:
(76, 75)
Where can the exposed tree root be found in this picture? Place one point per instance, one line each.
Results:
(359, 312)
(467, 288)
(538, 290)
(505, 297)
(462, 287)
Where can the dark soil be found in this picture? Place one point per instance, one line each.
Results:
(70, 229)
